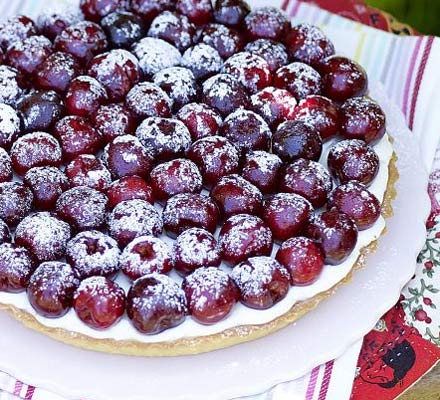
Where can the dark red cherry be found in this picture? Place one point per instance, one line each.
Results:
(148, 9)
(303, 258)
(286, 214)
(129, 188)
(267, 23)
(87, 170)
(113, 120)
(262, 170)
(353, 160)
(227, 41)
(190, 210)
(51, 289)
(15, 29)
(200, 119)
(230, 12)
(193, 249)
(148, 100)
(308, 179)
(210, 294)
(53, 22)
(262, 282)
(362, 118)
(146, 255)
(95, 10)
(215, 156)
(199, 12)
(336, 232)
(99, 302)
(342, 78)
(15, 202)
(307, 43)
(16, 268)
(204, 61)
(357, 202)
(155, 303)
(123, 29)
(243, 236)
(296, 139)
(273, 52)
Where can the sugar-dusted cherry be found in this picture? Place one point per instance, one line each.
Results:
(83, 40)
(230, 12)
(164, 138)
(227, 41)
(52, 22)
(126, 156)
(99, 302)
(286, 214)
(83, 208)
(149, 9)
(5, 234)
(155, 55)
(38, 149)
(247, 130)
(243, 236)
(193, 249)
(203, 60)
(131, 219)
(51, 289)
(299, 79)
(362, 118)
(173, 177)
(262, 170)
(146, 255)
(16, 268)
(5, 166)
(342, 78)
(123, 28)
(199, 12)
(303, 258)
(336, 232)
(224, 93)
(307, 44)
(267, 23)
(15, 29)
(27, 55)
(56, 72)
(87, 170)
(235, 195)
(46, 184)
(95, 10)
(180, 85)
(155, 303)
(320, 112)
(355, 200)
(215, 156)
(129, 188)
(148, 100)
(210, 293)
(262, 282)
(112, 120)
(77, 136)
(10, 89)
(9, 125)
(173, 28)
(84, 96)
(296, 139)
(40, 110)
(273, 52)
(353, 160)
(251, 70)
(200, 119)
(117, 70)
(308, 179)
(190, 210)
(93, 253)
(15, 202)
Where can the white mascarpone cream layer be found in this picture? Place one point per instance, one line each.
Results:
(240, 314)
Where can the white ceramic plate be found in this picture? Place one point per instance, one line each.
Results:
(251, 367)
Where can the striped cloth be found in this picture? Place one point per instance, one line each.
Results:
(407, 67)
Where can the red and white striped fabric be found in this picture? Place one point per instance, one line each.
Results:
(407, 67)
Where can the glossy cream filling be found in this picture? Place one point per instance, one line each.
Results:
(240, 314)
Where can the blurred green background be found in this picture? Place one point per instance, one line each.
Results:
(423, 15)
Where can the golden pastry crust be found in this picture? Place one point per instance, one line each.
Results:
(202, 344)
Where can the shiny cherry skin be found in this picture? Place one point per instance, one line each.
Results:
(357, 202)
(303, 258)
(148, 100)
(99, 302)
(51, 289)
(286, 214)
(230, 12)
(336, 233)
(296, 139)
(149, 9)
(267, 23)
(199, 12)
(95, 10)
(123, 29)
(129, 188)
(211, 295)
(200, 119)
(273, 52)
(15, 202)
(155, 303)
(112, 120)
(262, 282)
(203, 60)
(227, 41)
(87, 170)
(16, 268)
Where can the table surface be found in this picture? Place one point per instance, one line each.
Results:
(428, 388)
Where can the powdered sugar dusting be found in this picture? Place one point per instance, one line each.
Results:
(300, 79)
(16, 266)
(273, 52)
(202, 60)
(9, 121)
(10, 91)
